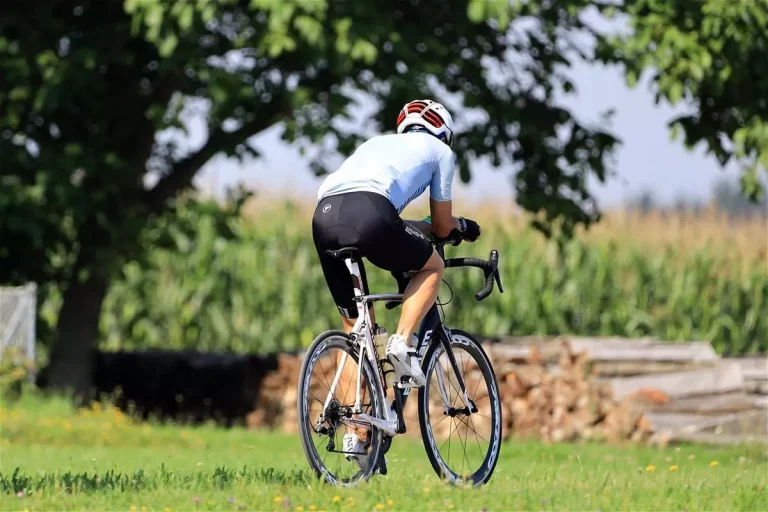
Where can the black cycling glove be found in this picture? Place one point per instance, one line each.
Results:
(470, 230)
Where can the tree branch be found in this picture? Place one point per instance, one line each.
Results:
(184, 170)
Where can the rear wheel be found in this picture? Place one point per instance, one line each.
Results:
(462, 443)
(322, 429)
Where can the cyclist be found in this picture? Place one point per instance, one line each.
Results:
(359, 206)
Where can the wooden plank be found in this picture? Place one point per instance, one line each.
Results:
(643, 350)
(618, 349)
(631, 368)
(673, 422)
(714, 404)
(724, 378)
(739, 424)
(756, 387)
(760, 402)
(688, 422)
(754, 368)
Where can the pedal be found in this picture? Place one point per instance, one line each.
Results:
(406, 383)
(399, 410)
(381, 467)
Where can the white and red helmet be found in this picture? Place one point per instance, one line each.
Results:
(429, 114)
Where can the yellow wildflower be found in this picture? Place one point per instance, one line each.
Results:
(312, 507)
(673, 468)
(277, 499)
(299, 508)
(650, 467)
(336, 499)
(379, 506)
(390, 502)
(132, 508)
(143, 509)
(426, 489)
(714, 463)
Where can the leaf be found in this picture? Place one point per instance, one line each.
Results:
(675, 92)
(186, 17)
(154, 16)
(168, 45)
(363, 50)
(476, 10)
(18, 93)
(630, 78)
(740, 141)
(310, 28)
(129, 6)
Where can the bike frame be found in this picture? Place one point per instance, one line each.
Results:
(431, 331)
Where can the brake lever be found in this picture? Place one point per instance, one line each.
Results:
(496, 276)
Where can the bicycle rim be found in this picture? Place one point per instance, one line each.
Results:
(322, 438)
(463, 448)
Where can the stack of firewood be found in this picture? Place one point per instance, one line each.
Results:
(553, 402)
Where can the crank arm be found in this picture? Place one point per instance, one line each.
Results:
(366, 421)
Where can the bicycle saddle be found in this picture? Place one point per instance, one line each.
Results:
(345, 252)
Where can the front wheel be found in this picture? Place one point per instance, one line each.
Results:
(462, 443)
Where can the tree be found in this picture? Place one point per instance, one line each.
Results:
(708, 55)
(92, 92)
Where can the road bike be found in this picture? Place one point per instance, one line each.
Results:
(460, 396)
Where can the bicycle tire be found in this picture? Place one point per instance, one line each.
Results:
(342, 341)
(483, 474)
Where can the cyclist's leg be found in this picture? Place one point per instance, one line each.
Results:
(420, 294)
(402, 249)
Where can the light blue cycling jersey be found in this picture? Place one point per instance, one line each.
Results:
(399, 167)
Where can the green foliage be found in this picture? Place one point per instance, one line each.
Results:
(708, 55)
(259, 288)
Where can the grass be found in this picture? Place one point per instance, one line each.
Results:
(99, 459)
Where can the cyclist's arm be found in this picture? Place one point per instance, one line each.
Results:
(440, 204)
(443, 221)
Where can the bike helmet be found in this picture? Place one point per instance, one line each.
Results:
(429, 115)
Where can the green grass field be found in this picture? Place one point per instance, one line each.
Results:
(98, 459)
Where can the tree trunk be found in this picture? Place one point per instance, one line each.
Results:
(77, 330)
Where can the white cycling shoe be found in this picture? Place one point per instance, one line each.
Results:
(404, 360)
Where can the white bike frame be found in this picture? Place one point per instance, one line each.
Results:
(362, 332)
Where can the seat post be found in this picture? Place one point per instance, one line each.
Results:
(357, 280)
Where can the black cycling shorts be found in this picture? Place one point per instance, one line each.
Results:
(369, 222)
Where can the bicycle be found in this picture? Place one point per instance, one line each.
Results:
(368, 412)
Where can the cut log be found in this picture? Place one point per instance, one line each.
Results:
(724, 378)
(715, 404)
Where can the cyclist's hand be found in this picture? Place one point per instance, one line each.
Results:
(470, 230)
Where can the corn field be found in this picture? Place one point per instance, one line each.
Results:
(263, 290)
